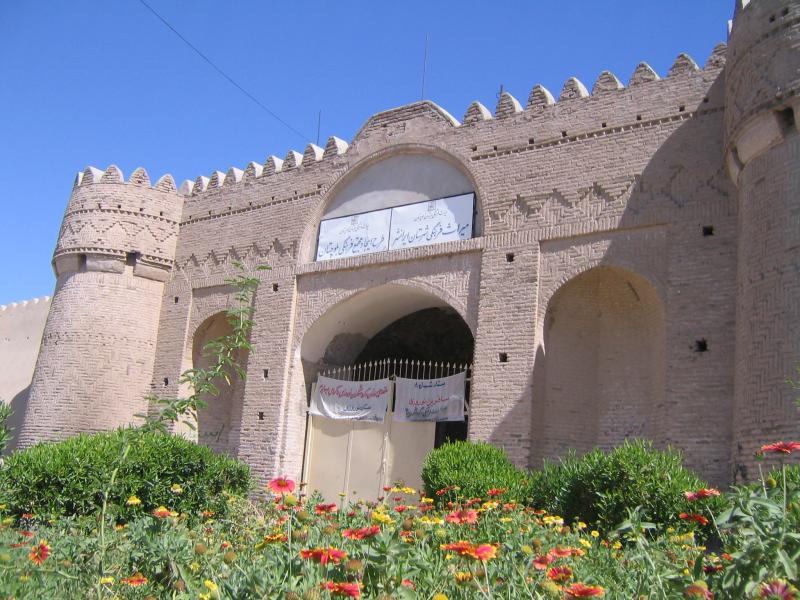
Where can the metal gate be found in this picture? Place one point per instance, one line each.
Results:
(359, 458)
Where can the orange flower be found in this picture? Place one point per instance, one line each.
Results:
(781, 447)
(540, 563)
(701, 494)
(134, 581)
(496, 492)
(698, 589)
(161, 512)
(324, 555)
(561, 552)
(559, 574)
(281, 485)
(325, 509)
(352, 590)
(579, 590)
(485, 552)
(39, 554)
(461, 548)
(693, 517)
(460, 517)
(360, 534)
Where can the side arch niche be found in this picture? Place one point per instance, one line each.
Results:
(599, 375)
(218, 425)
(394, 322)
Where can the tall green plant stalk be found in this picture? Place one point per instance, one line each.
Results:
(223, 351)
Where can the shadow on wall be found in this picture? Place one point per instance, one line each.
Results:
(19, 405)
(619, 312)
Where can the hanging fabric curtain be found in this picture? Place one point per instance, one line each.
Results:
(430, 399)
(355, 400)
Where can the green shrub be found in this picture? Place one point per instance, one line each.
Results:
(473, 468)
(69, 477)
(601, 488)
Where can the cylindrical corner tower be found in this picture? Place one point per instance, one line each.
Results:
(762, 146)
(115, 250)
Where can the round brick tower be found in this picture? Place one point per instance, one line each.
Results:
(114, 253)
(762, 146)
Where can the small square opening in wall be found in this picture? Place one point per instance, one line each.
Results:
(708, 230)
(681, 108)
(563, 134)
(503, 357)
(176, 299)
(261, 415)
(510, 257)
(603, 124)
(266, 373)
(274, 287)
(166, 381)
(701, 345)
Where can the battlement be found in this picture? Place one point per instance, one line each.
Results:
(540, 101)
(25, 304)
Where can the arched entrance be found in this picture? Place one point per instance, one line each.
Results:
(218, 423)
(384, 331)
(603, 374)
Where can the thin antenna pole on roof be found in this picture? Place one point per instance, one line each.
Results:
(319, 122)
(424, 68)
(500, 93)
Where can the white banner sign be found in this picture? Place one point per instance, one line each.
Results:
(432, 222)
(430, 399)
(353, 235)
(356, 400)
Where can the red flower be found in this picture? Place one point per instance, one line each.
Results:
(579, 590)
(161, 512)
(324, 555)
(324, 509)
(461, 547)
(561, 552)
(777, 589)
(781, 447)
(496, 492)
(461, 517)
(701, 494)
(39, 554)
(25, 533)
(134, 581)
(281, 485)
(353, 590)
(540, 562)
(408, 583)
(694, 517)
(360, 534)
(444, 490)
(559, 574)
(485, 552)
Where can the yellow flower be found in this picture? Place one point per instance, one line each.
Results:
(462, 576)
(585, 543)
(204, 596)
(439, 597)
(505, 519)
(381, 517)
(526, 549)
(211, 585)
(491, 505)
(582, 525)
(617, 545)
(427, 500)
(195, 567)
(176, 489)
(106, 580)
(595, 533)
(426, 520)
(133, 501)
(24, 578)
(8, 520)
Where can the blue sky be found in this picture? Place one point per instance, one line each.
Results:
(104, 82)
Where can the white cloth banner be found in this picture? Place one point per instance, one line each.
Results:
(355, 400)
(430, 399)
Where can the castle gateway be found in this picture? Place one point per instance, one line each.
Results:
(599, 266)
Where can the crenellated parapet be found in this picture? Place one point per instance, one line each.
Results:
(110, 223)
(762, 79)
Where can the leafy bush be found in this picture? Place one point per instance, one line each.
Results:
(601, 488)
(469, 470)
(69, 477)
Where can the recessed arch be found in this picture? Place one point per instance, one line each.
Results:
(599, 377)
(394, 176)
(219, 423)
